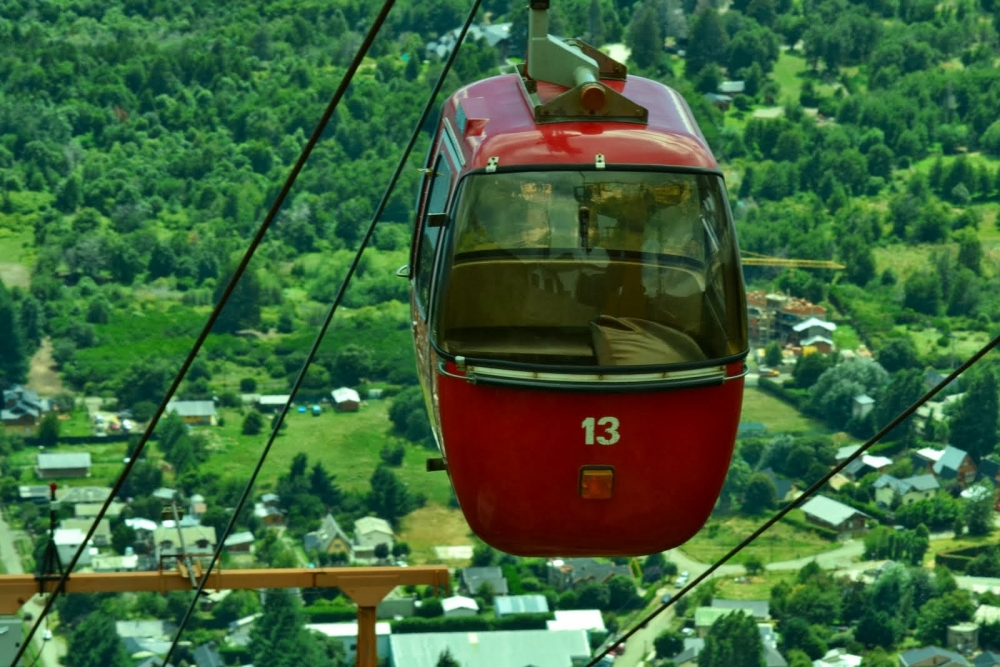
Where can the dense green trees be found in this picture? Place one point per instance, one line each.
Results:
(14, 353)
(95, 643)
(280, 638)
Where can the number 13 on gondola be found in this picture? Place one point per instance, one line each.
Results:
(609, 430)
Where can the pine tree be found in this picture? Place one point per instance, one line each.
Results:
(447, 660)
(13, 353)
(974, 424)
(280, 639)
(95, 643)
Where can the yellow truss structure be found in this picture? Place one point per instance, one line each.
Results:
(367, 586)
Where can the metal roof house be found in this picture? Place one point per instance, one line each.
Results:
(194, 412)
(346, 399)
(51, 466)
(508, 605)
(834, 515)
(539, 648)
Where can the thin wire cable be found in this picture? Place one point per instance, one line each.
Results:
(318, 340)
(240, 269)
(809, 492)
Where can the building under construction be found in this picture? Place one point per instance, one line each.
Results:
(773, 316)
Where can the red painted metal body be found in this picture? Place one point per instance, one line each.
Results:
(514, 454)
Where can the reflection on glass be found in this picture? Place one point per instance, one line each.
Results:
(592, 268)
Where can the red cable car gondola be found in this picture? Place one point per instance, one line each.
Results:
(579, 313)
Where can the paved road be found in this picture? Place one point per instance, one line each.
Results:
(51, 651)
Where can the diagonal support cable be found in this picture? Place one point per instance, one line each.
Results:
(317, 341)
(805, 496)
(240, 270)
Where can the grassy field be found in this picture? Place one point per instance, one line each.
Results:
(846, 338)
(15, 250)
(347, 444)
(904, 259)
(962, 343)
(789, 72)
(775, 414)
(753, 588)
(781, 542)
(434, 526)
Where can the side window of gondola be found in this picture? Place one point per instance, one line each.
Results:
(437, 200)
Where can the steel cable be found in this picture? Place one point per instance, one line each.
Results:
(806, 495)
(199, 342)
(317, 341)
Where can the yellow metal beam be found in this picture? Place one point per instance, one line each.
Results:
(367, 586)
(793, 263)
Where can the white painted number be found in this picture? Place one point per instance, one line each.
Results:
(610, 425)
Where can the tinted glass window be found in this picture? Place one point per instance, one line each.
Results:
(594, 268)
(436, 202)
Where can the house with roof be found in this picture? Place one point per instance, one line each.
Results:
(732, 87)
(347, 633)
(206, 656)
(101, 536)
(828, 513)
(127, 563)
(146, 629)
(496, 35)
(759, 609)
(865, 465)
(91, 510)
(22, 410)
(845, 452)
(948, 464)
(239, 630)
(590, 620)
(813, 331)
(34, 493)
(346, 399)
(11, 636)
(55, 466)
(964, 637)
(471, 579)
(459, 605)
(197, 506)
(570, 573)
(194, 412)
(241, 542)
(908, 490)
(514, 648)
(509, 605)
(396, 608)
(330, 538)
(931, 656)
(168, 543)
(371, 531)
(784, 489)
(68, 541)
(861, 405)
(269, 515)
(273, 402)
(705, 617)
(986, 659)
(838, 657)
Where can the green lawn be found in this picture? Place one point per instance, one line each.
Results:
(775, 414)
(904, 259)
(348, 445)
(753, 588)
(962, 343)
(790, 71)
(782, 542)
(845, 337)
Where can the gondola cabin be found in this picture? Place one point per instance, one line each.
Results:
(578, 307)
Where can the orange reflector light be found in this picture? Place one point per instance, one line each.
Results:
(592, 97)
(597, 483)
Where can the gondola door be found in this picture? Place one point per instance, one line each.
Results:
(436, 190)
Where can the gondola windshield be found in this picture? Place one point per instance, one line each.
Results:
(632, 268)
